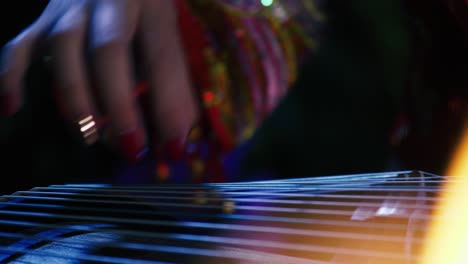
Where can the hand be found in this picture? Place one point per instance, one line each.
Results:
(90, 43)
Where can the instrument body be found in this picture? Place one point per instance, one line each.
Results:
(365, 218)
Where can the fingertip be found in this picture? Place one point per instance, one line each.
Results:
(14, 58)
(174, 149)
(133, 145)
(9, 103)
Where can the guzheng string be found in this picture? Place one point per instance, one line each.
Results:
(267, 209)
(307, 220)
(56, 195)
(235, 194)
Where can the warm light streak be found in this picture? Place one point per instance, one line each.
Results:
(85, 120)
(90, 133)
(87, 126)
(447, 239)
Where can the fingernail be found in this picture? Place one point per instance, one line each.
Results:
(162, 171)
(174, 149)
(8, 104)
(140, 89)
(133, 145)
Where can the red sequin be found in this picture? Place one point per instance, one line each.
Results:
(208, 97)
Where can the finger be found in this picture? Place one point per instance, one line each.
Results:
(16, 55)
(112, 26)
(173, 104)
(15, 58)
(68, 66)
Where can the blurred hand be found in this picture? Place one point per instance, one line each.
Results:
(90, 43)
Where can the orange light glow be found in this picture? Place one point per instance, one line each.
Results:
(447, 239)
(162, 171)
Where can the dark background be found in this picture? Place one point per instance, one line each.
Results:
(379, 59)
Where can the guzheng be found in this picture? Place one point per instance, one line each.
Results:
(365, 218)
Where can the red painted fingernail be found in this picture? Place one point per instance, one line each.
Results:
(162, 171)
(174, 149)
(140, 89)
(8, 104)
(132, 145)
